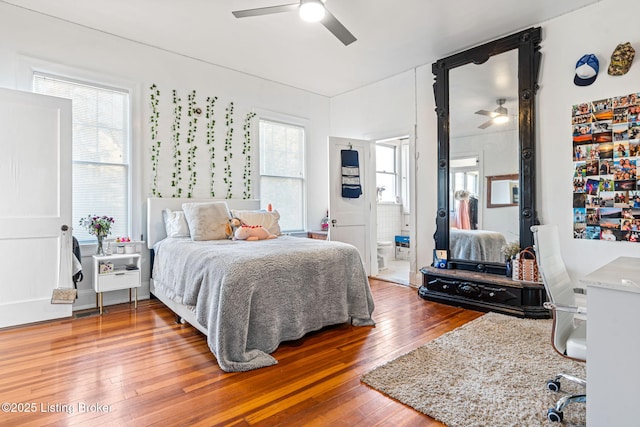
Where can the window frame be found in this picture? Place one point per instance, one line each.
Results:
(285, 120)
(396, 146)
(28, 67)
(466, 170)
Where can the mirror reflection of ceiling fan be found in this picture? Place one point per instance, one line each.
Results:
(309, 10)
(498, 116)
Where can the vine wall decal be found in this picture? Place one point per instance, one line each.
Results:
(187, 149)
(211, 139)
(192, 113)
(175, 137)
(246, 151)
(155, 142)
(228, 154)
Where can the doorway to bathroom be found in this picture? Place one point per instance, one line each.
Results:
(393, 210)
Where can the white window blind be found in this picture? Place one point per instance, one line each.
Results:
(282, 172)
(101, 150)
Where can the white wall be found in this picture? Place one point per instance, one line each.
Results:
(564, 42)
(28, 38)
(401, 101)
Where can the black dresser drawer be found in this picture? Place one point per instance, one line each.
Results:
(476, 291)
(438, 284)
(484, 292)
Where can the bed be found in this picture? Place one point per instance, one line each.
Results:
(476, 245)
(249, 296)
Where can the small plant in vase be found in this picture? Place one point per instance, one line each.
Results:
(99, 226)
(510, 250)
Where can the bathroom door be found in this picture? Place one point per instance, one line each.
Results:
(35, 171)
(351, 219)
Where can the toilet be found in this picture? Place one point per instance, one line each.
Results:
(385, 251)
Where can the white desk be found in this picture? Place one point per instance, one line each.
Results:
(613, 344)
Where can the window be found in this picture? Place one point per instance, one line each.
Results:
(282, 172)
(101, 150)
(464, 175)
(386, 173)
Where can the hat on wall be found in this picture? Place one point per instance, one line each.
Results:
(587, 69)
(621, 59)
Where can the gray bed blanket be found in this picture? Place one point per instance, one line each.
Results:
(251, 296)
(477, 245)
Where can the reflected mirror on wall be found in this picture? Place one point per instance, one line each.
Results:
(502, 191)
(484, 143)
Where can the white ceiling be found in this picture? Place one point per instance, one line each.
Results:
(393, 35)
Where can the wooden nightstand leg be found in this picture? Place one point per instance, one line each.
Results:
(100, 298)
(135, 291)
(129, 294)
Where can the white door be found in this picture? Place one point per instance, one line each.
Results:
(35, 202)
(350, 219)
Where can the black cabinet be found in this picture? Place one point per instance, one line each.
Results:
(483, 292)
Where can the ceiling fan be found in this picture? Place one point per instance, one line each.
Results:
(309, 10)
(498, 116)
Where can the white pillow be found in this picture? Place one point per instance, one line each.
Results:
(175, 223)
(207, 221)
(268, 220)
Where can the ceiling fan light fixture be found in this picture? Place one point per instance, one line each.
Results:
(311, 10)
(501, 116)
(501, 119)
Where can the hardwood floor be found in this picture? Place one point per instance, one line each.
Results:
(138, 367)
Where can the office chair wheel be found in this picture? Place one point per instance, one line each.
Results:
(553, 385)
(554, 415)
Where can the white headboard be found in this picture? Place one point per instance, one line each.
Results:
(155, 206)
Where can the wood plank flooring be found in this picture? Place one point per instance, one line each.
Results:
(138, 367)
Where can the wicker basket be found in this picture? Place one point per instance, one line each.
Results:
(525, 266)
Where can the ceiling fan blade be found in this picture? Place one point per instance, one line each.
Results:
(486, 113)
(486, 124)
(266, 10)
(332, 24)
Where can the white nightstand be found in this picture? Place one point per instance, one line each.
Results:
(123, 274)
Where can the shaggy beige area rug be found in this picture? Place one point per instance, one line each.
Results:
(491, 371)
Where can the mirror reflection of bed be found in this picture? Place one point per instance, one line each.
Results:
(465, 240)
(477, 245)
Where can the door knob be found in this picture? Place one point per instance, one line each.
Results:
(64, 227)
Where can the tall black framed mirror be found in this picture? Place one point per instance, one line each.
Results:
(485, 105)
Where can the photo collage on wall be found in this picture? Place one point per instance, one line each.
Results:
(606, 151)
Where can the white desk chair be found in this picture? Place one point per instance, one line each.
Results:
(569, 338)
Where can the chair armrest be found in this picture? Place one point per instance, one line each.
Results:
(566, 308)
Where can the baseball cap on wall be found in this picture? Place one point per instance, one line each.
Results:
(587, 69)
(621, 59)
